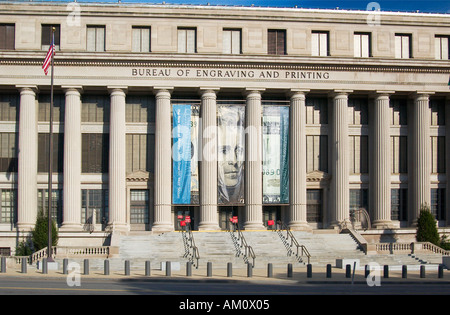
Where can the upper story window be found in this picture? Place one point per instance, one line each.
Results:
(231, 41)
(441, 47)
(140, 39)
(319, 43)
(276, 42)
(46, 36)
(187, 40)
(7, 33)
(362, 45)
(403, 46)
(95, 38)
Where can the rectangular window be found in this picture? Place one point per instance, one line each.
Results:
(317, 153)
(403, 46)
(314, 205)
(140, 39)
(319, 44)
(316, 110)
(441, 47)
(359, 199)
(95, 108)
(9, 206)
(359, 154)
(95, 38)
(57, 203)
(94, 206)
(437, 107)
(8, 152)
(232, 42)
(139, 206)
(399, 147)
(358, 111)
(7, 35)
(43, 153)
(137, 152)
(399, 204)
(438, 154)
(140, 109)
(59, 101)
(187, 40)
(46, 36)
(276, 42)
(9, 107)
(437, 205)
(362, 45)
(94, 153)
(399, 112)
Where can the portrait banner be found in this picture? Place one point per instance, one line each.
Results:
(231, 153)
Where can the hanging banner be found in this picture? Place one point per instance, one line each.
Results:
(181, 154)
(231, 153)
(195, 145)
(275, 154)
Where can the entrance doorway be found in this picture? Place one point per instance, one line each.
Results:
(184, 213)
(225, 214)
(271, 213)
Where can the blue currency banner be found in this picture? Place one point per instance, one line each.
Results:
(181, 154)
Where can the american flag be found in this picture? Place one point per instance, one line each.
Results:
(48, 58)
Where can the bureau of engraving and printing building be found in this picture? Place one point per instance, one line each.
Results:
(163, 112)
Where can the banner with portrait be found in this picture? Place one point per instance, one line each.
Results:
(185, 188)
(275, 154)
(231, 153)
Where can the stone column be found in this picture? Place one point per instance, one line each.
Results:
(117, 161)
(208, 176)
(421, 155)
(27, 159)
(163, 171)
(382, 162)
(447, 155)
(297, 161)
(339, 204)
(72, 160)
(253, 162)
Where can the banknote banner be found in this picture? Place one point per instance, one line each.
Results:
(275, 154)
(231, 154)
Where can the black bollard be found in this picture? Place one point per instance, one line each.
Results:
(289, 271)
(422, 271)
(441, 271)
(404, 272)
(328, 270)
(106, 267)
(44, 266)
(168, 269)
(3, 268)
(86, 266)
(65, 264)
(24, 265)
(188, 269)
(209, 269)
(386, 271)
(229, 270)
(147, 268)
(249, 270)
(309, 271)
(348, 271)
(269, 270)
(127, 267)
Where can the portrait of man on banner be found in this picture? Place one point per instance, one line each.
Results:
(231, 154)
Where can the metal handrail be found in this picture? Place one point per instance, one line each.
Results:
(290, 236)
(189, 244)
(248, 250)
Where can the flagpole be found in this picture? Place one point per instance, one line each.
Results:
(50, 159)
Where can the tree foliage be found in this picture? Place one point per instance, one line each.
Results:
(39, 235)
(426, 227)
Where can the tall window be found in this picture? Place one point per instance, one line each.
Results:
(139, 152)
(231, 41)
(441, 50)
(437, 107)
(358, 111)
(403, 46)
(140, 108)
(399, 204)
(317, 153)
(362, 45)
(437, 205)
(399, 112)
(9, 107)
(94, 153)
(276, 42)
(140, 39)
(94, 206)
(43, 153)
(399, 154)
(46, 36)
(7, 34)
(139, 206)
(359, 199)
(187, 40)
(95, 108)
(359, 158)
(56, 205)
(9, 206)
(58, 107)
(438, 154)
(8, 152)
(95, 38)
(319, 43)
(314, 205)
(316, 110)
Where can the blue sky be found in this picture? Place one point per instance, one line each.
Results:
(434, 6)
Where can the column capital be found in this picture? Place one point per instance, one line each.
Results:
(252, 91)
(340, 93)
(117, 89)
(72, 88)
(162, 91)
(28, 88)
(296, 93)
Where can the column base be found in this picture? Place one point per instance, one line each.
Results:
(383, 224)
(254, 226)
(26, 227)
(71, 227)
(162, 227)
(208, 227)
(300, 226)
(118, 227)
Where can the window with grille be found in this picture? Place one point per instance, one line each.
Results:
(319, 43)
(317, 153)
(7, 34)
(399, 204)
(140, 39)
(399, 145)
(94, 152)
(187, 40)
(403, 46)
(314, 205)
(56, 203)
(95, 38)
(441, 47)
(9, 107)
(8, 152)
(231, 41)
(276, 42)
(43, 152)
(437, 204)
(362, 45)
(316, 110)
(139, 206)
(46, 36)
(9, 206)
(94, 206)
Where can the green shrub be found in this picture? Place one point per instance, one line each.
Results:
(426, 227)
(39, 235)
(24, 249)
